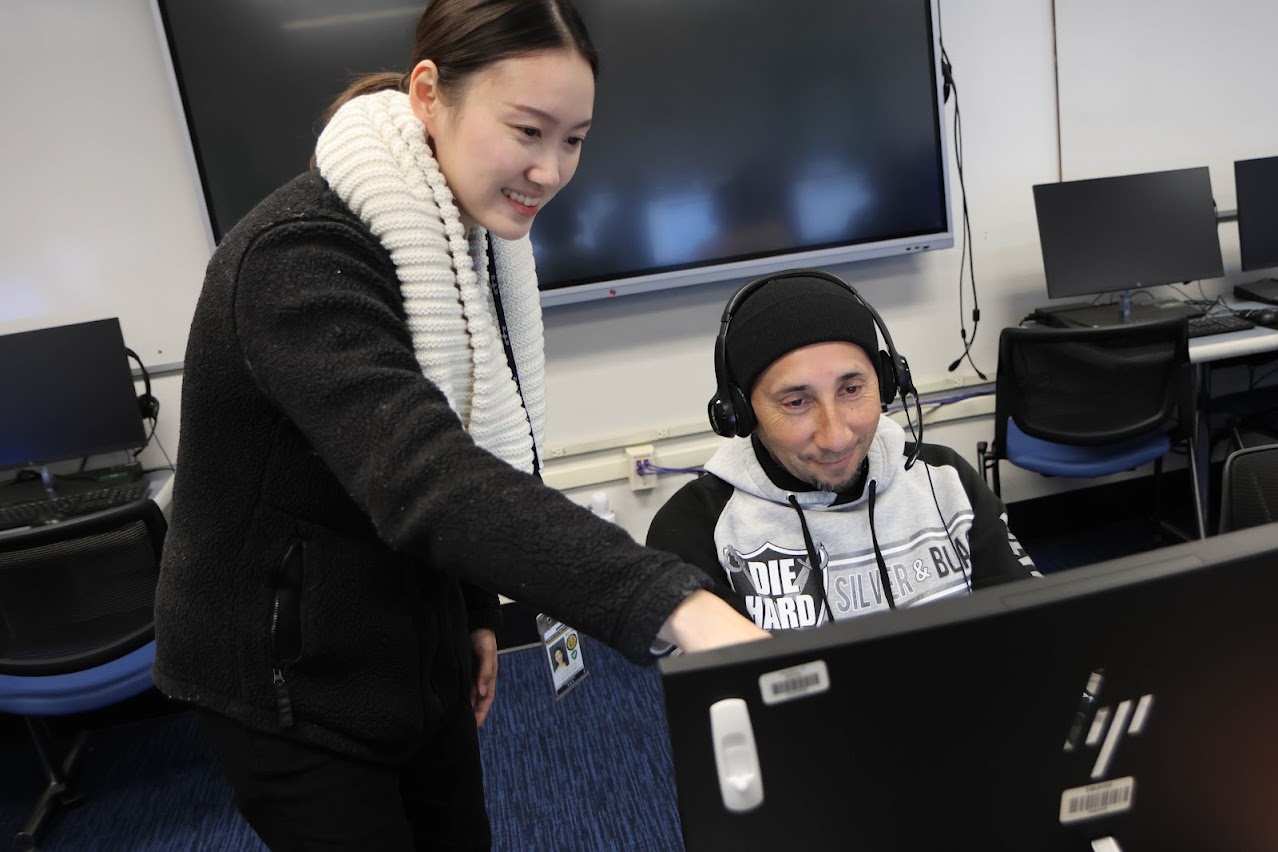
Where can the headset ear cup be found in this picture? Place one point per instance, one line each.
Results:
(723, 421)
(148, 406)
(744, 413)
(887, 378)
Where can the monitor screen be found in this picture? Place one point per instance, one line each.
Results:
(1119, 233)
(68, 394)
(729, 138)
(1132, 699)
(1256, 182)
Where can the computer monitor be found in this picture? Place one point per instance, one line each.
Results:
(1120, 233)
(1256, 182)
(67, 393)
(1134, 700)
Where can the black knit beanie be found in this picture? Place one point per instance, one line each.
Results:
(787, 314)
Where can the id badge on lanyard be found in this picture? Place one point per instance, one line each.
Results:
(563, 653)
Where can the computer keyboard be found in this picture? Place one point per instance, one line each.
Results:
(1218, 324)
(33, 512)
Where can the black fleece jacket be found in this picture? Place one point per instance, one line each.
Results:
(332, 521)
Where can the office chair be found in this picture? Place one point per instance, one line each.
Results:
(1249, 488)
(76, 629)
(1085, 402)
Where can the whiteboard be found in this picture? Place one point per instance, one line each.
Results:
(1147, 85)
(101, 214)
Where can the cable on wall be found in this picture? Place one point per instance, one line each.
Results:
(966, 255)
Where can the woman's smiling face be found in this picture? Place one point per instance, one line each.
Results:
(513, 137)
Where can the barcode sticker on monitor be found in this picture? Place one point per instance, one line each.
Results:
(796, 682)
(1094, 800)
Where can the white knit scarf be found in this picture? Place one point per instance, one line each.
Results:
(374, 155)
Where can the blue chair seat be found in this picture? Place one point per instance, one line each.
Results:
(1055, 459)
(1077, 386)
(79, 602)
(78, 692)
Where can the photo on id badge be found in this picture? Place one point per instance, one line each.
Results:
(563, 653)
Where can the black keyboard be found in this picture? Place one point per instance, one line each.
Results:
(33, 512)
(1218, 324)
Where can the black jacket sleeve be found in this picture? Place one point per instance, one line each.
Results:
(684, 526)
(319, 320)
(483, 608)
(996, 557)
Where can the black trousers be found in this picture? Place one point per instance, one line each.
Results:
(303, 799)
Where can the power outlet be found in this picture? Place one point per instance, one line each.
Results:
(636, 457)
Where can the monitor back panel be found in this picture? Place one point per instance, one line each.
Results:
(953, 731)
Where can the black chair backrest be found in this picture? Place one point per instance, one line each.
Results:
(1249, 492)
(80, 592)
(1091, 386)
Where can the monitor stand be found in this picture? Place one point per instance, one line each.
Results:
(1114, 313)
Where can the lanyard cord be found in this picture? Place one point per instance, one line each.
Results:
(814, 560)
(510, 352)
(878, 554)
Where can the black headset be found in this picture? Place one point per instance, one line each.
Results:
(148, 406)
(731, 415)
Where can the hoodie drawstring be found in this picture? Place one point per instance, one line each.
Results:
(878, 554)
(813, 559)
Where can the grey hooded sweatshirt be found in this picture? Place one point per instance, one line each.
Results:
(790, 556)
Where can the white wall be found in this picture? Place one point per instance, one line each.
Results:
(101, 213)
(616, 368)
(1193, 93)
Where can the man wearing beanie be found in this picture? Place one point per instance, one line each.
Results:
(821, 509)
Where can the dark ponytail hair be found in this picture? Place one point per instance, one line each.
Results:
(463, 37)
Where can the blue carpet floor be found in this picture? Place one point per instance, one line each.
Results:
(147, 785)
(590, 771)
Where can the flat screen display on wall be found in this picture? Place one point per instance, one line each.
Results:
(730, 138)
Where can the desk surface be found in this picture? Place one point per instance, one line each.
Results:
(1235, 344)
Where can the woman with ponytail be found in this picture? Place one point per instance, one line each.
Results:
(362, 417)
